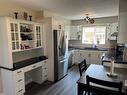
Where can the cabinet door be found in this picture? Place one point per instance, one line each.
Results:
(86, 55)
(74, 33)
(75, 57)
(95, 57)
(15, 36)
(38, 36)
(44, 71)
(114, 27)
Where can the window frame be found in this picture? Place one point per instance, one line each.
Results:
(94, 33)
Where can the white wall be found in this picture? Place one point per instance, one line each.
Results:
(98, 21)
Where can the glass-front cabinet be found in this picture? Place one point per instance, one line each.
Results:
(38, 29)
(25, 35)
(15, 36)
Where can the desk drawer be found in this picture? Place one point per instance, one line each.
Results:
(20, 92)
(36, 65)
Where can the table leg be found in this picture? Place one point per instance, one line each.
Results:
(80, 90)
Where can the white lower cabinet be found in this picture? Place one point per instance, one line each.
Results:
(44, 71)
(91, 56)
(19, 82)
(14, 81)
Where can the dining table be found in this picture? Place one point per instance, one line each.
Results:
(101, 72)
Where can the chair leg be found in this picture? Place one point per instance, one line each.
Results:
(85, 92)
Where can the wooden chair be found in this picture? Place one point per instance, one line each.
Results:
(82, 66)
(95, 90)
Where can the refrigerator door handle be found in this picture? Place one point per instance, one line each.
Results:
(62, 61)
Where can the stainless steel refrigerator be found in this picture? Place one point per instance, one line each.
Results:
(60, 54)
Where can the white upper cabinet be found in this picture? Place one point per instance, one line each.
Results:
(75, 33)
(38, 35)
(114, 31)
(114, 28)
(122, 36)
(25, 35)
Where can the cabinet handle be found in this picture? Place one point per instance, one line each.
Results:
(89, 55)
(20, 90)
(20, 80)
(34, 66)
(19, 72)
(98, 56)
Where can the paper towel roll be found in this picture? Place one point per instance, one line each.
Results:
(112, 67)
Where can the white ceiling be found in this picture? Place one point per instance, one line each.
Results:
(75, 9)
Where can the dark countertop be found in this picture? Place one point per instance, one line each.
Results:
(107, 58)
(87, 48)
(26, 62)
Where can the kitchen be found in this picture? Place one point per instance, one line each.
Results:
(40, 49)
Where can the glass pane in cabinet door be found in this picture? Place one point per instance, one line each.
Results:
(39, 36)
(12, 36)
(17, 45)
(16, 28)
(13, 45)
(12, 26)
(37, 43)
(17, 36)
(39, 29)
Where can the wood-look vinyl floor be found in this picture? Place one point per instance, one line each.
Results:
(66, 86)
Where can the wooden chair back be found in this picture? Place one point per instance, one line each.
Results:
(102, 83)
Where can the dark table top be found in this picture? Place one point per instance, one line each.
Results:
(100, 72)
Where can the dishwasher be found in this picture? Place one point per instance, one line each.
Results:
(70, 58)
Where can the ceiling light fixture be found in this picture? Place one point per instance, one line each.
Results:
(88, 19)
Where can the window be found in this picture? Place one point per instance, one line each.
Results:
(94, 35)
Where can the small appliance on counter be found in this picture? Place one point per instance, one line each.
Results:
(125, 54)
(119, 51)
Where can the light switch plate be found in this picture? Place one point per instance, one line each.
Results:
(125, 83)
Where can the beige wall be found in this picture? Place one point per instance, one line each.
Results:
(7, 9)
(103, 20)
(98, 21)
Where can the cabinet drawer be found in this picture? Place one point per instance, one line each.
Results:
(45, 77)
(44, 64)
(36, 65)
(18, 72)
(20, 84)
(20, 92)
(19, 78)
(45, 70)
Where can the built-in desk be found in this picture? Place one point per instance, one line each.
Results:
(14, 81)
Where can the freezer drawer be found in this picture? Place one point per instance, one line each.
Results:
(62, 68)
